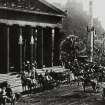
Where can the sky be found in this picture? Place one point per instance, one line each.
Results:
(98, 8)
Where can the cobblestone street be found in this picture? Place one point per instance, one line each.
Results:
(64, 95)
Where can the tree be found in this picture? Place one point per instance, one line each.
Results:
(77, 21)
(71, 48)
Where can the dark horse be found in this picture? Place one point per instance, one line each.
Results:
(31, 84)
(44, 83)
(87, 83)
(23, 82)
(27, 83)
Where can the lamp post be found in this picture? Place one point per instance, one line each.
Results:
(32, 46)
(36, 47)
(20, 45)
(24, 53)
(91, 30)
(53, 32)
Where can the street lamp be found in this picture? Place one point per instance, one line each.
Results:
(20, 44)
(36, 47)
(32, 45)
(24, 53)
(91, 29)
(53, 34)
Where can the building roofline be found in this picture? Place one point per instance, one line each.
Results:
(32, 12)
(53, 7)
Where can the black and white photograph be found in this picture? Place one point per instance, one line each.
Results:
(52, 52)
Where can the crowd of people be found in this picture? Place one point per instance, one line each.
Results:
(30, 80)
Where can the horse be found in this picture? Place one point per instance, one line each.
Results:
(31, 83)
(88, 82)
(23, 82)
(40, 79)
(11, 99)
(7, 96)
(46, 82)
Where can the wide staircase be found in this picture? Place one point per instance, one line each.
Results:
(13, 79)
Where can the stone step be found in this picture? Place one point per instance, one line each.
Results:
(13, 80)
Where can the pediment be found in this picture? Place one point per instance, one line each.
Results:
(32, 5)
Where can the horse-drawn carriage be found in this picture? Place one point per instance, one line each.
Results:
(44, 82)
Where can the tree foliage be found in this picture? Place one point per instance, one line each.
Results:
(77, 21)
(72, 48)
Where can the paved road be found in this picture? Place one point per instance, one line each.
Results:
(64, 95)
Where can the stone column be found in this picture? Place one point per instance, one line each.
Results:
(32, 47)
(24, 53)
(8, 49)
(36, 48)
(20, 45)
(42, 47)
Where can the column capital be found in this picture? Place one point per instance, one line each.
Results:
(32, 40)
(36, 30)
(20, 37)
(20, 40)
(53, 30)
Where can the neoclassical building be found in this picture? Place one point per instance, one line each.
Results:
(29, 31)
